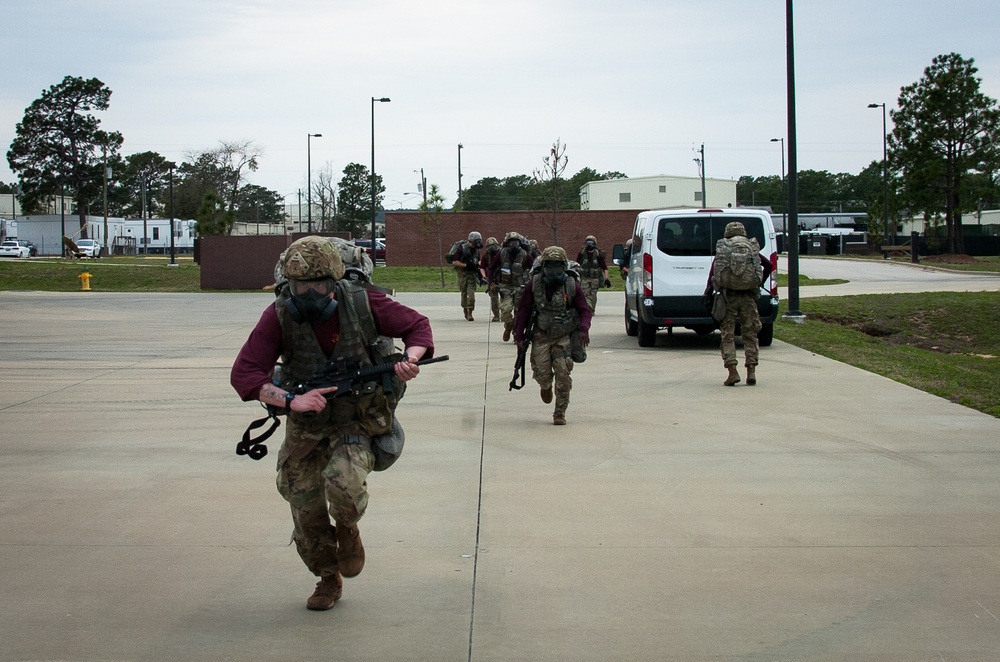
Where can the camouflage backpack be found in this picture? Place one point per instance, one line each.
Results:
(737, 264)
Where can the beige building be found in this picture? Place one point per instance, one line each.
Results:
(660, 192)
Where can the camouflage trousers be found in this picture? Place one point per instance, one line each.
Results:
(467, 282)
(329, 481)
(590, 287)
(744, 308)
(494, 291)
(510, 297)
(551, 366)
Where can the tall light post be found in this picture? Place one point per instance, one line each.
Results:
(793, 313)
(380, 100)
(173, 249)
(784, 190)
(309, 184)
(885, 178)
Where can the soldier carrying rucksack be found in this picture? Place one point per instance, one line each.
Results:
(737, 274)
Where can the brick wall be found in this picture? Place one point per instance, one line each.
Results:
(243, 263)
(409, 243)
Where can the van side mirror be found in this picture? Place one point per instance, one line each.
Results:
(618, 254)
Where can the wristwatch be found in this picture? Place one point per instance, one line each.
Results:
(288, 400)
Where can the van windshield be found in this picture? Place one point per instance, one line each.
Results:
(697, 235)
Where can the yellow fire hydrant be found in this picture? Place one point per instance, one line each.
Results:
(85, 281)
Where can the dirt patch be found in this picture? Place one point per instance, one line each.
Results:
(949, 258)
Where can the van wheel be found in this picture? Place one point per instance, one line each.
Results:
(646, 333)
(631, 326)
(766, 335)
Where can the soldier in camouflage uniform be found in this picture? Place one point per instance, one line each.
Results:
(740, 305)
(509, 270)
(593, 270)
(464, 256)
(324, 462)
(560, 308)
(489, 254)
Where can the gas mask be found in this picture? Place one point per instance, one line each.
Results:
(478, 243)
(310, 300)
(554, 273)
(514, 247)
(590, 245)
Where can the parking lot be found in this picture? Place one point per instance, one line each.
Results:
(824, 514)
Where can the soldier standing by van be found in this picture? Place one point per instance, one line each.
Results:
(593, 270)
(464, 256)
(557, 300)
(737, 274)
(510, 270)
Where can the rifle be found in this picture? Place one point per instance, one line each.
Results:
(336, 372)
(522, 352)
(349, 378)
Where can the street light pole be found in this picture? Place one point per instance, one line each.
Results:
(784, 188)
(793, 313)
(309, 185)
(885, 178)
(173, 249)
(380, 100)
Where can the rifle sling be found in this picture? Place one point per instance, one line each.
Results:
(255, 448)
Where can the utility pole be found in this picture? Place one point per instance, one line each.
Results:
(458, 202)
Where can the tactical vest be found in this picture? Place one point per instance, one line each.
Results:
(589, 267)
(512, 272)
(556, 317)
(369, 410)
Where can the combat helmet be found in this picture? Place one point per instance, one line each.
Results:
(492, 241)
(312, 258)
(554, 254)
(735, 229)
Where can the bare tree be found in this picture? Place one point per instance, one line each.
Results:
(549, 180)
(325, 195)
(433, 209)
(227, 166)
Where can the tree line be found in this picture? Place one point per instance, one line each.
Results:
(943, 160)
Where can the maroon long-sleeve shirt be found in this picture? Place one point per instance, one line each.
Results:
(263, 347)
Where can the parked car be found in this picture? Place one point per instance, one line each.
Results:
(88, 248)
(11, 248)
(32, 249)
(367, 245)
(672, 251)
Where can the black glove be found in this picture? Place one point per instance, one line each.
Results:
(607, 282)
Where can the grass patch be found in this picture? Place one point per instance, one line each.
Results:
(945, 343)
(951, 262)
(806, 281)
(120, 274)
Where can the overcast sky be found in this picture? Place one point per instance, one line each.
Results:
(635, 86)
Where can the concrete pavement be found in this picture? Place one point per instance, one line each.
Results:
(824, 514)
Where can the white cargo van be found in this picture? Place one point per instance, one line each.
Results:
(672, 252)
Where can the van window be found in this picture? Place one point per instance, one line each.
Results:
(697, 235)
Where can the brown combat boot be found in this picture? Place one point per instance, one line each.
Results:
(558, 417)
(547, 395)
(328, 590)
(468, 314)
(350, 551)
(506, 334)
(495, 318)
(734, 377)
(751, 375)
